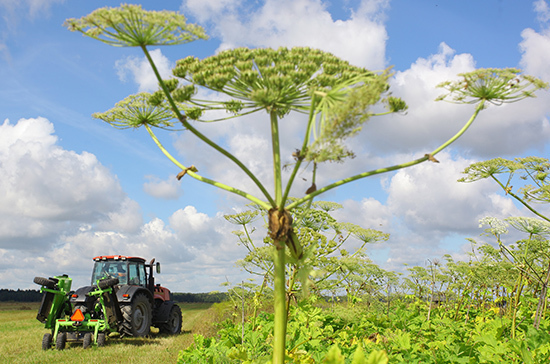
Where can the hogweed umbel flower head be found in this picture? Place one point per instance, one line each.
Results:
(497, 86)
(282, 80)
(485, 169)
(137, 110)
(530, 225)
(496, 226)
(131, 26)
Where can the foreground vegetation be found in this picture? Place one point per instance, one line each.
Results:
(343, 334)
(488, 310)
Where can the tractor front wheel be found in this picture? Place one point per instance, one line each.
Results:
(173, 326)
(137, 316)
(87, 340)
(47, 341)
(61, 340)
(101, 339)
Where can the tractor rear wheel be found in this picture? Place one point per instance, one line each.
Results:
(173, 326)
(61, 340)
(47, 341)
(87, 340)
(137, 316)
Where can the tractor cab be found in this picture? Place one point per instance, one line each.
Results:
(129, 270)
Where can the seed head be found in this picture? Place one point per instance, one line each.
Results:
(131, 26)
(493, 85)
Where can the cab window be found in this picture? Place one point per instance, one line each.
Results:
(136, 274)
(110, 269)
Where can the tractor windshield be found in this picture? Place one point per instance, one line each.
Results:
(110, 269)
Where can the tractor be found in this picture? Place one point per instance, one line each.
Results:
(122, 298)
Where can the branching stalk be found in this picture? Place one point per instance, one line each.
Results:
(392, 168)
(204, 179)
(201, 136)
(509, 192)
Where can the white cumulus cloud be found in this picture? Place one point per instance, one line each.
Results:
(139, 69)
(359, 39)
(169, 189)
(47, 187)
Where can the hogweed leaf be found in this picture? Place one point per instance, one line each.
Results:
(378, 357)
(131, 26)
(334, 356)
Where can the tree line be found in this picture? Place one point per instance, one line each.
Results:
(33, 295)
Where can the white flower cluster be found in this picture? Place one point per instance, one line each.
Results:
(496, 226)
(530, 225)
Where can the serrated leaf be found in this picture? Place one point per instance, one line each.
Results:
(359, 356)
(334, 356)
(378, 357)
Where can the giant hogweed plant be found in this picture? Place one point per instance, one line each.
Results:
(326, 264)
(529, 257)
(506, 172)
(531, 173)
(336, 97)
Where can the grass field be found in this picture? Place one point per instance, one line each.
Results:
(21, 338)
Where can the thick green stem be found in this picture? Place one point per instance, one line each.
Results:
(279, 332)
(478, 109)
(300, 157)
(290, 288)
(462, 298)
(201, 136)
(392, 168)
(276, 150)
(256, 302)
(542, 299)
(515, 305)
(204, 179)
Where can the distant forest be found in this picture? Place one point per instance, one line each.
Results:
(32, 295)
(27, 295)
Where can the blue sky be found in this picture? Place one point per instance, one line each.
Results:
(73, 187)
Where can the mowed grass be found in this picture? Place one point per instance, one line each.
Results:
(21, 338)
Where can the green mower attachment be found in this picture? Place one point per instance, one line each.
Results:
(86, 324)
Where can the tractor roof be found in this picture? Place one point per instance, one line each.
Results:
(118, 257)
